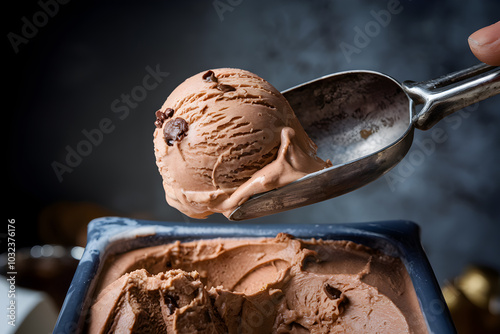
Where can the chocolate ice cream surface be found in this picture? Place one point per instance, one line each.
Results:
(255, 285)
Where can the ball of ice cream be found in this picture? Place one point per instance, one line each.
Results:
(224, 135)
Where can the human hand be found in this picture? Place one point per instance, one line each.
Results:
(485, 44)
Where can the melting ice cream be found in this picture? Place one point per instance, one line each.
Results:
(224, 135)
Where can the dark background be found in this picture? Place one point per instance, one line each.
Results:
(64, 80)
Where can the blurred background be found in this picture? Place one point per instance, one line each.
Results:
(85, 78)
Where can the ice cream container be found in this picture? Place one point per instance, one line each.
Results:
(113, 235)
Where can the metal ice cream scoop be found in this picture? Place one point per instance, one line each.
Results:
(363, 121)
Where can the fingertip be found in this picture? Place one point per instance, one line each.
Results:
(485, 44)
(487, 35)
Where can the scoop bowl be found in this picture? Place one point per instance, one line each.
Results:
(364, 121)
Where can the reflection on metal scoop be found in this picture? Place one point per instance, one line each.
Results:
(363, 121)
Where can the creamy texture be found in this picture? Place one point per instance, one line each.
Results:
(280, 285)
(227, 134)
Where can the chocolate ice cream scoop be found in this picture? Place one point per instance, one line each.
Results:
(224, 135)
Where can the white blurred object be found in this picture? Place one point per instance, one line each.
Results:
(35, 312)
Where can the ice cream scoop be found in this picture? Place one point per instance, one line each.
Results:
(364, 122)
(224, 135)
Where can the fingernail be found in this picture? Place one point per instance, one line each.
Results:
(486, 35)
(473, 42)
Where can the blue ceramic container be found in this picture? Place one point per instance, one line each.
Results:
(112, 235)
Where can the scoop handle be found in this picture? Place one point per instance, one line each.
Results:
(449, 93)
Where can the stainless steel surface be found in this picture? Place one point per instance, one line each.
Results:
(363, 121)
(449, 93)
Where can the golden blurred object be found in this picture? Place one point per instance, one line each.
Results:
(478, 284)
(472, 299)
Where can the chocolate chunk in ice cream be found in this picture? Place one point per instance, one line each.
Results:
(162, 116)
(225, 88)
(209, 76)
(175, 130)
(331, 292)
